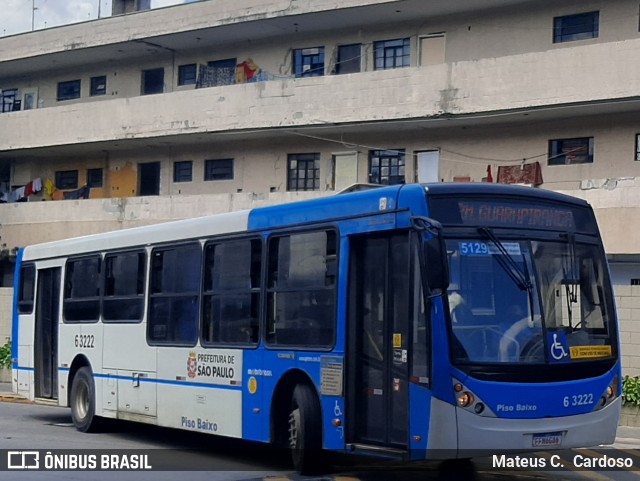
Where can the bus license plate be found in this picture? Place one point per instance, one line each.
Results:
(547, 439)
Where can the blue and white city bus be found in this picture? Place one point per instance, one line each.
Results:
(412, 321)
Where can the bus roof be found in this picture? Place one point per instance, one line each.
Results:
(140, 236)
(489, 189)
(323, 209)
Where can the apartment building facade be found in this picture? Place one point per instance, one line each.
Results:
(222, 105)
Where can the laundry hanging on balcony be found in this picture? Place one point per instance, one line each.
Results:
(22, 193)
(82, 193)
(528, 174)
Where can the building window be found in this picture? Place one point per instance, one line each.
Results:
(68, 90)
(220, 72)
(98, 85)
(391, 53)
(153, 81)
(303, 172)
(387, 167)
(571, 151)
(182, 171)
(174, 292)
(231, 292)
(301, 289)
(308, 62)
(637, 146)
(94, 178)
(575, 27)
(218, 169)
(67, 179)
(349, 57)
(187, 74)
(9, 100)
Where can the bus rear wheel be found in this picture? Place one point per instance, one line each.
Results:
(83, 401)
(305, 433)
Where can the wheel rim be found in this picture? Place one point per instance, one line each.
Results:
(294, 422)
(82, 401)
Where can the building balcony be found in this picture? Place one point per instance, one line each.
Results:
(34, 222)
(567, 82)
(211, 22)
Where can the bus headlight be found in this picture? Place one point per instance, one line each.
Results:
(609, 394)
(615, 386)
(469, 401)
(465, 399)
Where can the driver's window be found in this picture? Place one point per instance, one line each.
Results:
(592, 302)
(420, 348)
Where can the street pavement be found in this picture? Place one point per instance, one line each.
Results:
(628, 437)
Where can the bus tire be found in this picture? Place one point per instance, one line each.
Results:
(305, 430)
(83, 401)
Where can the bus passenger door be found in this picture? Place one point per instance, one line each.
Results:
(378, 341)
(46, 334)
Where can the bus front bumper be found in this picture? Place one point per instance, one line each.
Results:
(481, 436)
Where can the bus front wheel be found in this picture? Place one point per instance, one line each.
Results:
(305, 433)
(83, 401)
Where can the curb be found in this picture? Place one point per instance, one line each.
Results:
(14, 398)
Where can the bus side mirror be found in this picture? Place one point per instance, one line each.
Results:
(435, 253)
(435, 263)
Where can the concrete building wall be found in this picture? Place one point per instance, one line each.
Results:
(465, 88)
(501, 93)
(470, 37)
(6, 301)
(628, 309)
(260, 167)
(35, 222)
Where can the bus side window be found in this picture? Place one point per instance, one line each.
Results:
(82, 289)
(301, 293)
(27, 289)
(124, 280)
(231, 294)
(174, 294)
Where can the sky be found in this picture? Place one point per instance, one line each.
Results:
(19, 16)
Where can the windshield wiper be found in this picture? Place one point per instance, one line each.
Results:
(521, 279)
(571, 279)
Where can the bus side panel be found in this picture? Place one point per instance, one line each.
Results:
(74, 340)
(15, 319)
(133, 383)
(253, 393)
(333, 409)
(275, 364)
(200, 389)
(24, 372)
(420, 414)
(23, 338)
(22, 341)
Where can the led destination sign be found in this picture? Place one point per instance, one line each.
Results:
(501, 214)
(485, 211)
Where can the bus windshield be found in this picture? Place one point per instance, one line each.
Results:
(526, 301)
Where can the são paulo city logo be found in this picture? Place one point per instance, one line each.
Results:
(219, 366)
(192, 365)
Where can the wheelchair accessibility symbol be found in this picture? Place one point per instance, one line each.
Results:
(558, 347)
